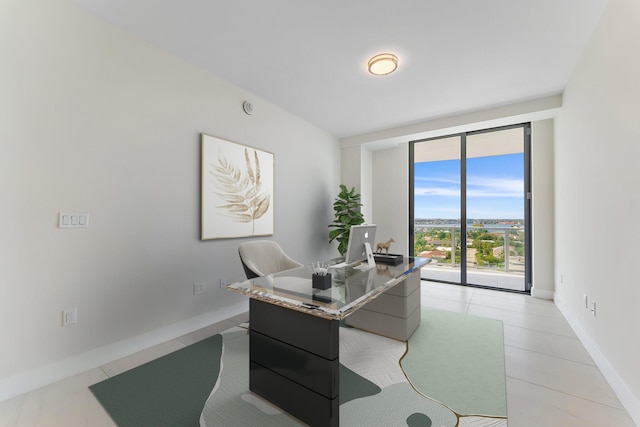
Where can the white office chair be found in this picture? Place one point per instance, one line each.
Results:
(264, 257)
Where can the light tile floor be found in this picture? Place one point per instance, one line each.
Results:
(551, 380)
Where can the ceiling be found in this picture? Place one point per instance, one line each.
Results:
(309, 57)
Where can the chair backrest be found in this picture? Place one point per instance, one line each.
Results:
(264, 257)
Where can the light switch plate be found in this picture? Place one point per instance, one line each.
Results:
(73, 220)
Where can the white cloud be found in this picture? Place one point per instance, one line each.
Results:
(477, 187)
(437, 191)
(494, 187)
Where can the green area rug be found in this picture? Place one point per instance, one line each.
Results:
(450, 373)
(169, 391)
(459, 360)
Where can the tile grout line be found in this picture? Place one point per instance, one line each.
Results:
(545, 332)
(564, 393)
(507, 322)
(557, 316)
(550, 355)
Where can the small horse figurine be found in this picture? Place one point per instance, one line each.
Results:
(384, 246)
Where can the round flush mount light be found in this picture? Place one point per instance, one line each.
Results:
(383, 64)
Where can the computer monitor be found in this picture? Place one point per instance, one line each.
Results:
(359, 235)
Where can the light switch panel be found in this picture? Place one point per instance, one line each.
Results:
(73, 220)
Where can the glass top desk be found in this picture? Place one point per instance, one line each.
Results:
(294, 330)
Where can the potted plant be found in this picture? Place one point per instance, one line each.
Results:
(347, 213)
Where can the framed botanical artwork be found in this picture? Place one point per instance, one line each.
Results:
(237, 190)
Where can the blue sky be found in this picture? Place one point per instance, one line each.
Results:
(495, 188)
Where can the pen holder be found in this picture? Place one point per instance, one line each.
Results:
(321, 281)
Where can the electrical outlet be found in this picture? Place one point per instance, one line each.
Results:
(593, 308)
(198, 288)
(70, 317)
(586, 301)
(561, 278)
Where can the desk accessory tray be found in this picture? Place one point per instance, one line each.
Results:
(393, 259)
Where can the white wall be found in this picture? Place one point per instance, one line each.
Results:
(391, 197)
(519, 112)
(377, 175)
(597, 151)
(542, 208)
(95, 120)
(350, 168)
(355, 172)
(366, 184)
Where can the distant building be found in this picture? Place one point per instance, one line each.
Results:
(499, 251)
(433, 254)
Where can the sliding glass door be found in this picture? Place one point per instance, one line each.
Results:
(438, 206)
(470, 207)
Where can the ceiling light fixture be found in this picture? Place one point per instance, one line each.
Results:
(383, 64)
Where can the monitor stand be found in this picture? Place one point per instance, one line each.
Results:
(360, 265)
(371, 261)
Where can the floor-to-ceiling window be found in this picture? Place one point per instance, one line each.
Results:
(470, 207)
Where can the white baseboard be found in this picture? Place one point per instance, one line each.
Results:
(542, 293)
(24, 382)
(626, 396)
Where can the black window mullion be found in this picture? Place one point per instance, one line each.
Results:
(463, 209)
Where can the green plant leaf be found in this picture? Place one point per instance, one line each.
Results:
(346, 214)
